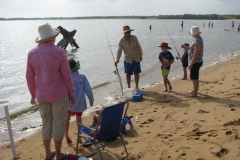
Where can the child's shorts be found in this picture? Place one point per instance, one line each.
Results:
(79, 114)
(184, 68)
(165, 72)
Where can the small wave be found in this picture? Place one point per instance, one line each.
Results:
(222, 58)
(21, 112)
(100, 85)
(4, 102)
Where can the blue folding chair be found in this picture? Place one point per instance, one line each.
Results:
(112, 121)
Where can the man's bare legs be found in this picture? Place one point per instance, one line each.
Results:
(136, 78)
(128, 77)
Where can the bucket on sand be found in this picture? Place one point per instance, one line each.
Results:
(128, 93)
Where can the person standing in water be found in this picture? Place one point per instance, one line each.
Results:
(233, 24)
(182, 25)
(150, 27)
(132, 55)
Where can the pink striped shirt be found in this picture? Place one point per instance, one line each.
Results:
(48, 73)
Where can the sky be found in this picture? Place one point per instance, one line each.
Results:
(81, 8)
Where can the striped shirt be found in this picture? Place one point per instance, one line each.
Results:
(199, 59)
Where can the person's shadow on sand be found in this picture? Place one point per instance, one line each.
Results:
(165, 98)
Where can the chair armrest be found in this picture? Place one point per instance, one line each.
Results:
(84, 126)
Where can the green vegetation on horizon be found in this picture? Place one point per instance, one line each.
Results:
(184, 16)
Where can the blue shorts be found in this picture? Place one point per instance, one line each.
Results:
(130, 68)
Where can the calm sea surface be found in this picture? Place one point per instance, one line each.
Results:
(18, 37)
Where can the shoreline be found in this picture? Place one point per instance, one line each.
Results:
(32, 109)
(171, 125)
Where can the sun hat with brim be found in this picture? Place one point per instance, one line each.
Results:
(74, 66)
(194, 31)
(46, 33)
(127, 29)
(164, 44)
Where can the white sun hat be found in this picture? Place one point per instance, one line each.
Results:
(194, 30)
(46, 33)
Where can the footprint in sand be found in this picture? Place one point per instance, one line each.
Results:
(234, 122)
(222, 152)
(213, 133)
(202, 111)
(229, 133)
(148, 121)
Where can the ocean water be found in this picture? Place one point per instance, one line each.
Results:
(96, 58)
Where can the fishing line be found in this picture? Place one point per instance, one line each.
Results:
(172, 41)
(116, 71)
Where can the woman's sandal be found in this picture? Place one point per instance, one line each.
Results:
(64, 157)
(52, 156)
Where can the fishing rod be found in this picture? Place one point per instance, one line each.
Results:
(172, 41)
(116, 71)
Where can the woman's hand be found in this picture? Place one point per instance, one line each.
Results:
(33, 101)
(190, 67)
(71, 101)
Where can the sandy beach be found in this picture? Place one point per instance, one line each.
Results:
(171, 126)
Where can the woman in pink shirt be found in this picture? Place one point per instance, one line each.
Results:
(49, 81)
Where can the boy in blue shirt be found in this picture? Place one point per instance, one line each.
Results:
(166, 59)
(81, 89)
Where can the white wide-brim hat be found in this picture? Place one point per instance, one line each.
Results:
(46, 33)
(194, 30)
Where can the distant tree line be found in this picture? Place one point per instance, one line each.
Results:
(184, 16)
(199, 16)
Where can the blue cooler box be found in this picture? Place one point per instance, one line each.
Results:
(138, 96)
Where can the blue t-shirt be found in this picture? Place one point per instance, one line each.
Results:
(166, 58)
